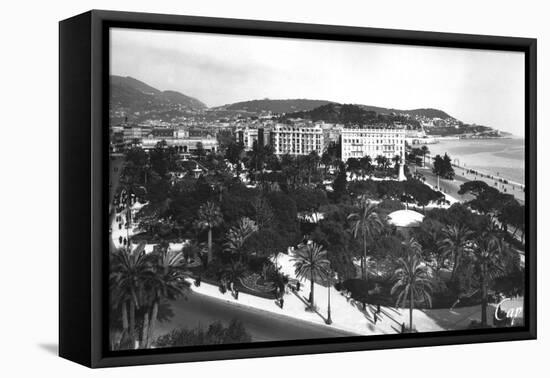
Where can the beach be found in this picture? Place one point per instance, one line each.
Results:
(503, 157)
(498, 162)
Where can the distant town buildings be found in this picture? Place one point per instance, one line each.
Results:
(186, 145)
(296, 137)
(133, 132)
(358, 142)
(147, 137)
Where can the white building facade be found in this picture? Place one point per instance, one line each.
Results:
(297, 139)
(387, 142)
(187, 145)
(247, 137)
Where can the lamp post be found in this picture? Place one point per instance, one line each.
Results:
(329, 319)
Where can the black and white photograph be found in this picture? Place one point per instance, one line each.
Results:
(272, 189)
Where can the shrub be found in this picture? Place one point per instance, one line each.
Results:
(216, 333)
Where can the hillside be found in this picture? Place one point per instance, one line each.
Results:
(138, 101)
(348, 114)
(429, 113)
(174, 97)
(423, 112)
(130, 96)
(274, 106)
(130, 85)
(304, 105)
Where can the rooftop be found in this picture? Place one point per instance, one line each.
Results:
(405, 218)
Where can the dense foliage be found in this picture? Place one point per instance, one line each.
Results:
(245, 207)
(443, 167)
(215, 333)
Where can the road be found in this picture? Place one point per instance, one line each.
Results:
(450, 187)
(263, 326)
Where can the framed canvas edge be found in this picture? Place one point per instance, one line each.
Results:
(98, 63)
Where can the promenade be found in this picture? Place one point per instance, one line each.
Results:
(451, 187)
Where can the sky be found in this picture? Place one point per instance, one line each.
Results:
(485, 87)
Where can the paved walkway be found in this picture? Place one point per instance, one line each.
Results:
(451, 187)
(347, 315)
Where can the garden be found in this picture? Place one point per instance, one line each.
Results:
(231, 231)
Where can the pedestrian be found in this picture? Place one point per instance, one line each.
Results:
(236, 294)
(403, 327)
(375, 318)
(282, 302)
(378, 308)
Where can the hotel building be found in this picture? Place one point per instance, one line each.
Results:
(297, 139)
(373, 141)
(248, 136)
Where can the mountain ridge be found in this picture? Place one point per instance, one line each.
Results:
(296, 105)
(130, 95)
(350, 114)
(134, 95)
(274, 105)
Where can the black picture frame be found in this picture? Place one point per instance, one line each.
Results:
(83, 160)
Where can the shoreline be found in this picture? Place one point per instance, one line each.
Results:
(486, 174)
(451, 187)
(493, 158)
(492, 176)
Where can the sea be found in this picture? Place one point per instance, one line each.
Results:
(504, 157)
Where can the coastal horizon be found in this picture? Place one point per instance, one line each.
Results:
(503, 157)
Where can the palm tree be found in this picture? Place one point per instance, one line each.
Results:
(129, 271)
(366, 164)
(396, 160)
(130, 188)
(353, 167)
(256, 156)
(263, 212)
(382, 161)
(166, 282)
(456, 241)
(430, 235)
(289, 169)
(310, 262)
(425, 150)
(366, 224)
(413, 282)
(237, 236)
(192, 249)
(326, 160)
(209, 217)
(313, 161)
(488, 258)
